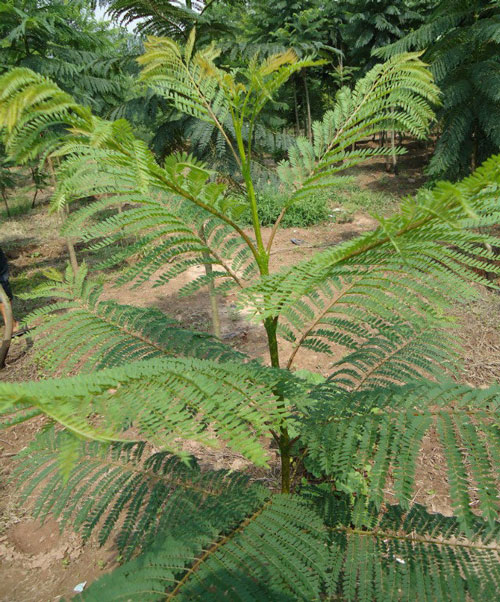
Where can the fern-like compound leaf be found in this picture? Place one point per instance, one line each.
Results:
(401, 554)
(306, 547)
(385, 288)
(376, 433)
(275, 551)
(104, 334)
(124, 489)
(395, 95)
(169, 214)
(164, 401)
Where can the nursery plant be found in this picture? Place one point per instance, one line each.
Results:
(339, 523)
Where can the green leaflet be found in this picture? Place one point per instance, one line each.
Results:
(256, 558)
(378, 431)
(105, 334)
(291, 548)
(165, 400)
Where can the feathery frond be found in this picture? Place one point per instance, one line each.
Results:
(164, 401)
(408, 270)
(400, 554)
(283, 550)
(275, 552)
(30, 107)
(103, 159)
(223, 99)
(104, 334)
(192, 82)
(150, 491)
(167, 17)
(378, 432)
(393, 95)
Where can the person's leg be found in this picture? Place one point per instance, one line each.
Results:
(15, 323)
(8, 290)
(2, 311)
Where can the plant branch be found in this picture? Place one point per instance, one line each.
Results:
(414, 538)
(275, 229)
(214, 548)
(214, 117)
(186, 195)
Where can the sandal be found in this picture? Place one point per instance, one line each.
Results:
(20, 332)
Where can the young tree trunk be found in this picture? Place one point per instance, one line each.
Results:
(71, 247)
(296, 107)
(283, 439)
(391, 165)
(4, 196)
(214, 302)
(308, 106)
(34, 198)
(8, 326)
(475, 149)
(394, 156)
(36, 188)
(64, 212)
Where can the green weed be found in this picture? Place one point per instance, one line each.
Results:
(354, 198)
(301, 214)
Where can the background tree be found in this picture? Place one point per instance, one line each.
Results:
(308, 26)
(461, 40)
(64, 41)
(171, 17)
(8, 180)
(330, 31)
(371, 24)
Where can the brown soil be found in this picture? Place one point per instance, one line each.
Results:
(37, 563)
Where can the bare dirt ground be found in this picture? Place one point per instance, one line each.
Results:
(39, 564)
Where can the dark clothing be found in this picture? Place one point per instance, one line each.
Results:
(4, 274)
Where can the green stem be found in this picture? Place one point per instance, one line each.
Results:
(271, 325)
(247, 176)
(255, 214)
(284, 443)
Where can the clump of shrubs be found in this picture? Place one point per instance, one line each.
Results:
(303, 213)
